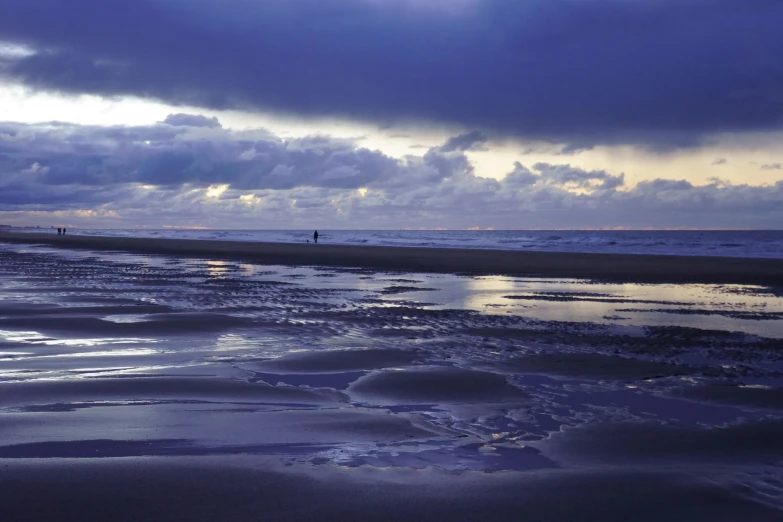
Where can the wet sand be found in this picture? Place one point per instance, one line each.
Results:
(641, 268)
(178, 387)
(246, 489)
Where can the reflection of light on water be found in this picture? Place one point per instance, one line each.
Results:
(10, 376)
(147, 260)
(21, 337)
(264, 347)
(216, 268)
(126, 318)
(346, 452)
(484, 292)
(250, 270)
(70, 374)
(106, 353)
(385, 304)
(91, 342)
(109, 372)
(232, 342)
(601, 301)
(38, 338)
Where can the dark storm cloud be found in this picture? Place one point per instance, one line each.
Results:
(661, 73)
(129, 176)
(62, 198)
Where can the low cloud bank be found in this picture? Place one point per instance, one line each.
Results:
(188, 170)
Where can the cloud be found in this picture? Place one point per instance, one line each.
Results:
(662, 74)
(521, 176)
(575, 148)
(772, 166)
(192, 120)
(94, 176)
(165, 155)
(576, 177)
(464, 142)
(720, 161)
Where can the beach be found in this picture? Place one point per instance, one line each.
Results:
(619, 267)
(180, 379)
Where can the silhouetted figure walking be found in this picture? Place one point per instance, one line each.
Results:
(64, 230)
(315, 237)
(59, 231)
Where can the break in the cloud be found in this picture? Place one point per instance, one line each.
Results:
(663, 73)
(187, 173)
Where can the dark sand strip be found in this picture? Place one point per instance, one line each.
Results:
(618, 267)
(595, 366)
(198, 429)
(754, 397)
(630, 443)
(154, 324)
(337, 361)
(17, 309)
(431, 384)
(209, 389)
(204, 489)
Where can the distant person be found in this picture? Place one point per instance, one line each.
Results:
(315, 237)
(64, 231)
(59, 231)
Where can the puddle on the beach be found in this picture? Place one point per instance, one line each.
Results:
(279, 346)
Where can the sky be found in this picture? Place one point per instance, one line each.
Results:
(389, 114)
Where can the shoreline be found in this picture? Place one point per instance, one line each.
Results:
(643, 268)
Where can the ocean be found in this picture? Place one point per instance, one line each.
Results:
(732, 243)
